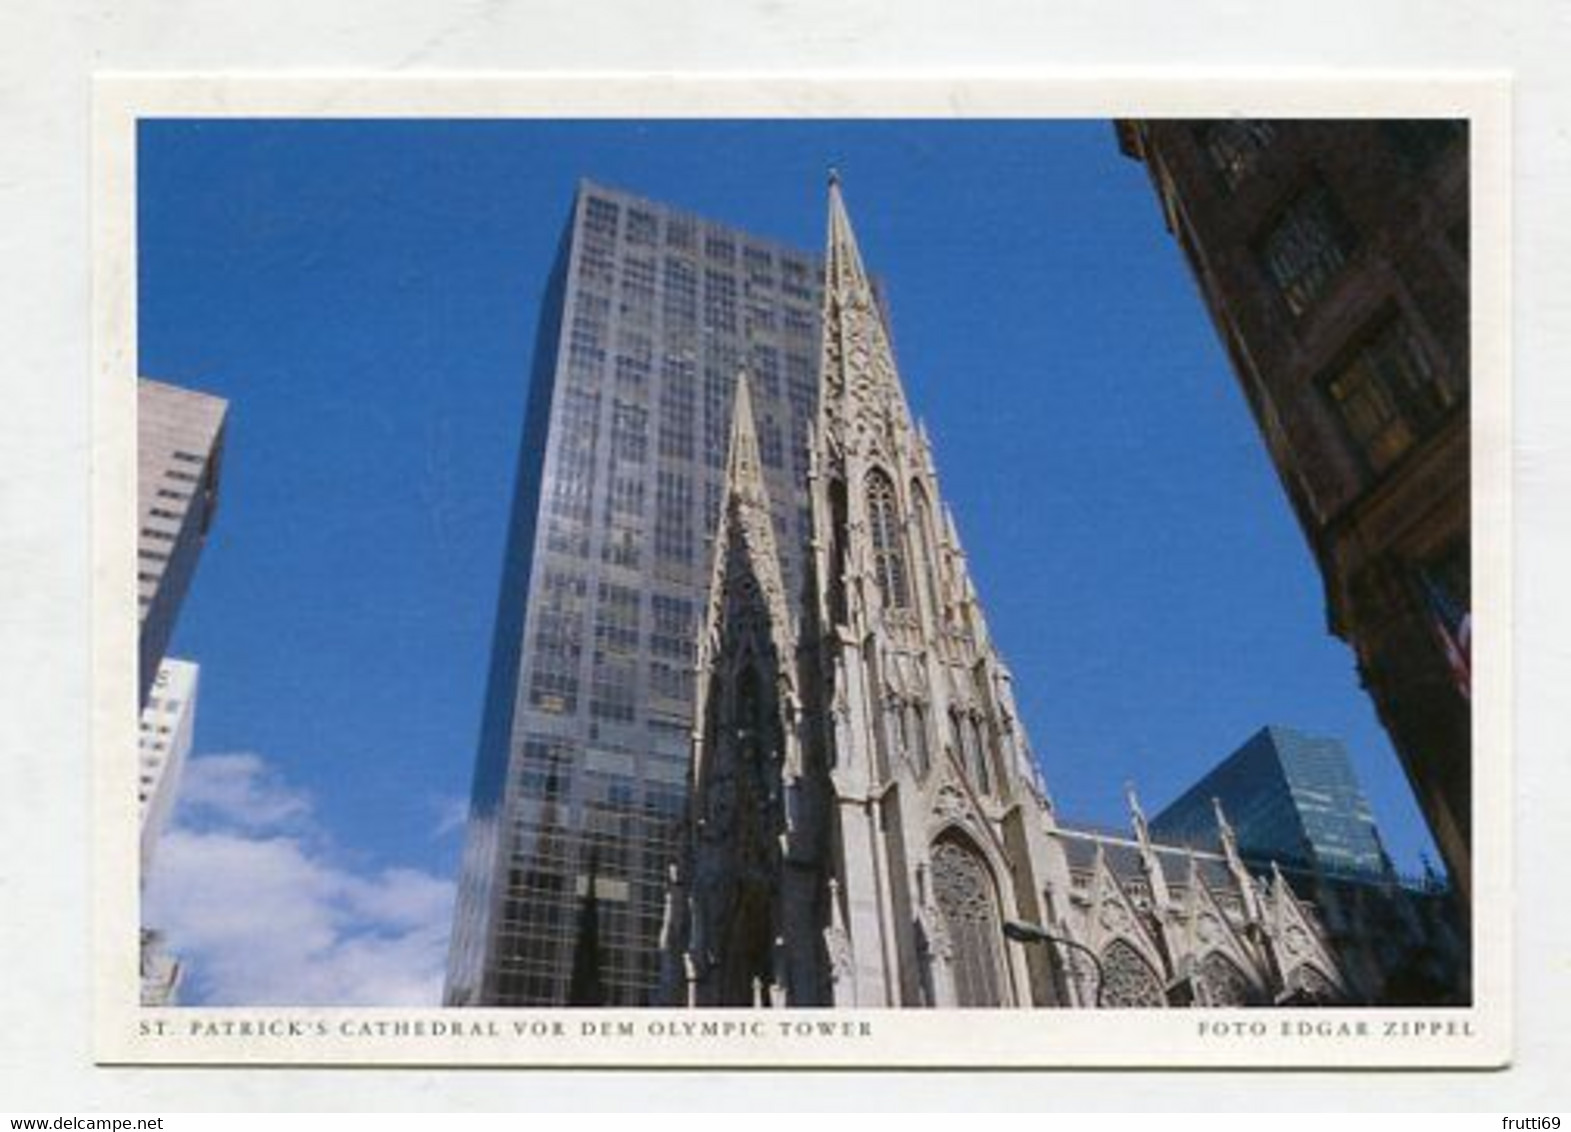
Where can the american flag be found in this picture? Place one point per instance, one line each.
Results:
(1453, 625)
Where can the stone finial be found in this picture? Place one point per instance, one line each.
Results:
(1135, 812)
(1224, 828)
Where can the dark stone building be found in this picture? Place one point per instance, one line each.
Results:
(1333, 256)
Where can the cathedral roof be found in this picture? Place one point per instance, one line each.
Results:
(1124, 858)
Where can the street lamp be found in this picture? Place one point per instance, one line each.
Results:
(1020, 931)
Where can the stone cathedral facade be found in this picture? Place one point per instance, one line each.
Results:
(865, 811)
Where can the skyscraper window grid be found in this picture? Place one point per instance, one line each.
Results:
(584, 756)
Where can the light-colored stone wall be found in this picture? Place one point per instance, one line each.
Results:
(179, 450)
(167, 724)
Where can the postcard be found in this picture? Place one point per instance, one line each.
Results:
(689, 571)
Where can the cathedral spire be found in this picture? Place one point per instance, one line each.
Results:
(847, 277)
(744, 470)
(745, 540)
(745, 756)
(746, 566)
(860, 390)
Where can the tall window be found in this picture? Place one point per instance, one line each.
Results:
(913, 726)
(968, 903)
(924, 543)
(1234, 146)
(1389, 395)
(981, 762)
(971, 747)
(888, 560)
(1306, 248)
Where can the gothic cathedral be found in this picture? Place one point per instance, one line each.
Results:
(865, 811)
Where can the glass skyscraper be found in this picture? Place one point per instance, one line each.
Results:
(581, 775)
(1289, 797)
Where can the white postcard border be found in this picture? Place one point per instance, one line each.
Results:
(126, 1033)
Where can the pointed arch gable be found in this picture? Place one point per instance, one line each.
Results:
(1208, 929)
(954, 803)
(1113, 915)
(1299, 943)
(1309, 981)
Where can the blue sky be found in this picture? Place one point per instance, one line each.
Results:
(365, 295)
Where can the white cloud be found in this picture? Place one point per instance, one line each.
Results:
(239, 790)
(452, 815)
(263, 910)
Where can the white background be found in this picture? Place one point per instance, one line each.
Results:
(47, 53)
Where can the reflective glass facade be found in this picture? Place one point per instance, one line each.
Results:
(1290, 797)
(582, 766)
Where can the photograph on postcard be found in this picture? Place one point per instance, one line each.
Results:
(803, 564)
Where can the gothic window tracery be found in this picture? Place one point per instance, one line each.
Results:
(889, 567)
(1127, 979)
(1225, 984)
(968, 903)
(1308, 981)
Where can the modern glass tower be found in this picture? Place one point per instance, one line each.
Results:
(581, 776)
(1290, 797)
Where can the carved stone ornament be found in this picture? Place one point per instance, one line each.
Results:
(1296, 942)
(1128, 980)
(1115, 917)
(939, 944)
(838, 946)
(1226, 984)
(1308, 980)
(950, 805)
(839, 704)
